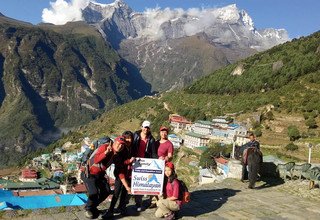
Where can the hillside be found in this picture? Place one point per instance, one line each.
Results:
(292, 62)
(55, 78)
(285, 78)
(290, 93)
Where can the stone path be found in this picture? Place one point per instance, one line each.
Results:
(230, 199)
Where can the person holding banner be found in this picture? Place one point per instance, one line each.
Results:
(97, 185)
(165, 152)
(143, 147)
(122, 173)
(169, 204)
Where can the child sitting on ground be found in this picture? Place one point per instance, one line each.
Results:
(169, 204)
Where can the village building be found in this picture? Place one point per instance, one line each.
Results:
(28, 175)
(58, 173)
(42, 183)
(179, 123)
(222, 165)
(46, 156)
(72, 167)
(221, 121)
(229, 134)
(79, 188)
(220, 130)
(55, 166)
(241, 140)
(175, 140)
(193, 140)
(38, 162)
(37, 192)
(57, 151)
(207, 175)
(12, 201)
(69, 157)
(202, 127)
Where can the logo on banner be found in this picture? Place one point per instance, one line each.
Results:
(147, 176)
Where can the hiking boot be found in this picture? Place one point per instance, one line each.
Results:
(89, 214)
(121, 210)
(169, 216)
(107, 215)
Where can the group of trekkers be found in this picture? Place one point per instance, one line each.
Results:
(122, 152)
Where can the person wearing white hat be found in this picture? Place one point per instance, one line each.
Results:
(143, 147)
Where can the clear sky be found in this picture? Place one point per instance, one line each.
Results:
(298, 17)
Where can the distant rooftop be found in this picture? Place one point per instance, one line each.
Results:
(42, 183)
(204, 122)
(192, 134)
(9, 201)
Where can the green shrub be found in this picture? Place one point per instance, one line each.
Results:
(311, 123)
(291, 147)
(293, 133)
(258, 132)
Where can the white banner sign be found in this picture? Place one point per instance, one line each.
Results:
(147, 176)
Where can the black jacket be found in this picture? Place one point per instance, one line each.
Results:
(151, 151)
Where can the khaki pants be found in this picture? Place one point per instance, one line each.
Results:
(165, 206)
(154, 199)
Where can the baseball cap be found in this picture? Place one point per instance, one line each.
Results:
(164, 128)
(170, 165)
(120, 139)
(146, 124)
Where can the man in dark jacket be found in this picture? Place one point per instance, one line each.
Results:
(144, 142)
(97, 185)
(252, 143)
(143, 147)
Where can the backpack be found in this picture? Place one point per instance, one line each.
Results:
(184, 194)
(92, 150)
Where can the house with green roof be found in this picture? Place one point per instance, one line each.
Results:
(202, 127)
(42, 183)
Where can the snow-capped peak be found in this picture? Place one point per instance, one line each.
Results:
(155, 24)
(247, 20)
(107, 10)
(115, 4)
(228, 13)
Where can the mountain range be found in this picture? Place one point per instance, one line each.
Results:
(54, 78)
(169, 42)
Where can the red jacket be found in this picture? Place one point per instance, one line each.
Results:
(123, 164)
(101, 160)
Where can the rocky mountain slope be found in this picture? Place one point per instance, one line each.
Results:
(155, 40)
(53, 78)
